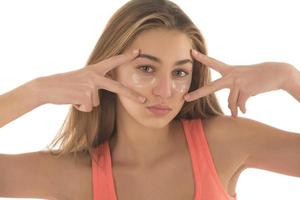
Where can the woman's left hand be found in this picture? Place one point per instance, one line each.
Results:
(243, 81)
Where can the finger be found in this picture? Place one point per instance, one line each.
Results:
(76, 106)
(210, 62)
(242, 102)
(207, 89)
(81, 107)
(87, 100)
(121, 89)
(84, 108)
(232, 101)
(95, 97)
(107, 65)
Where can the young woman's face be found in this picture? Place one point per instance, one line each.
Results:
(162, 73)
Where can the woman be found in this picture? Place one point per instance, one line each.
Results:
(114, 146)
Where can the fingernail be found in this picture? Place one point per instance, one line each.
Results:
(187, 97)
(136, 52)
(142, 99)
(194, 52)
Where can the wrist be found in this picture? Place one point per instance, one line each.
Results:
(292, 81)
(33, 88)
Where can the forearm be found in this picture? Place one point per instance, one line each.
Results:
(17, 102)
(292, 85)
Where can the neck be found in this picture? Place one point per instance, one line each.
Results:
(137, 145)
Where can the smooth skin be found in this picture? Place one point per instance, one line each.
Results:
(245, 81)
(83, 84)
(79, 88)
(252, 143)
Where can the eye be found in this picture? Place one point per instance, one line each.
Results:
(186, 73)
(145, 67)
(142, 67)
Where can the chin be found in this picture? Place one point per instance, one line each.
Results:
(155, 123)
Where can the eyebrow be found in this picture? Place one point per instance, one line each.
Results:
(155, 59)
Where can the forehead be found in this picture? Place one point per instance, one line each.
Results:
(163, 43)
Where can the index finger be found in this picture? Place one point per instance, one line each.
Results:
(210, 62)
(212, 87)
(108, 64)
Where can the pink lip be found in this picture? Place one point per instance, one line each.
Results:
(158, 111)
(159, 106)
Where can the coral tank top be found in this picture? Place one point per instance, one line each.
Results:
(208, 186)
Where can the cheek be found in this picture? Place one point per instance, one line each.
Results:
(141, 81)
(181, 86)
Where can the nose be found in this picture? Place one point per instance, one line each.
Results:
(163, 88)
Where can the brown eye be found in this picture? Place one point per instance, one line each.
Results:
(144, 67)
(183, 72)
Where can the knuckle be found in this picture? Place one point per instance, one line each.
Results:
(119, 86)
(236, 82)
(89, 71)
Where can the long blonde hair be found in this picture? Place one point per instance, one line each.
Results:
(85, 131)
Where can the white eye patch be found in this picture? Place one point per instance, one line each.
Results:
(138, 80)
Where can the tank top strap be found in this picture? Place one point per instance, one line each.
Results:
(208, 183)
(102, 174)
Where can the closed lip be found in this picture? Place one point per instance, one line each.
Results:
(161, 107)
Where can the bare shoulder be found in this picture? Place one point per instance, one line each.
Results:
(222, 128)
(234, 134)
(232, 130)
(228, 146)
(242, 133)
(43, 175)
(75, 175)
(255, 144)
(242, 137)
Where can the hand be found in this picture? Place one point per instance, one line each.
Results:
(80, 87)
(243, 81)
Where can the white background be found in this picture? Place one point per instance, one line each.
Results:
(40, 38)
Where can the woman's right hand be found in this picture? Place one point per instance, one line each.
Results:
(80, 87)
